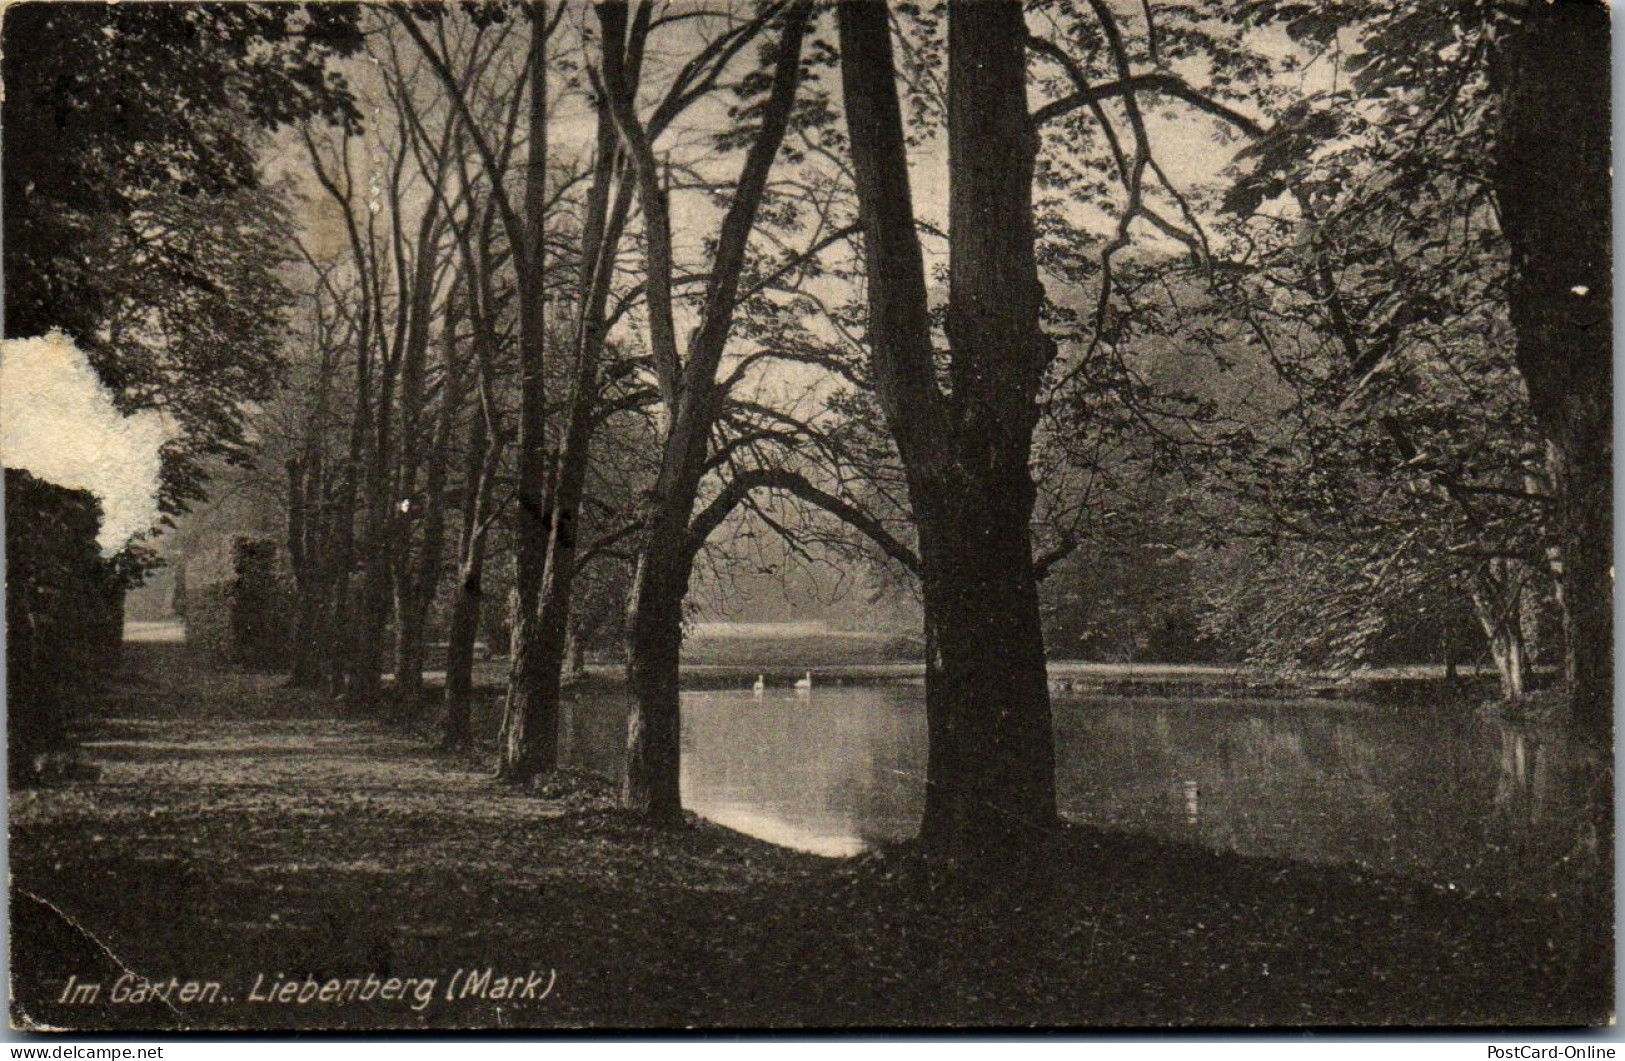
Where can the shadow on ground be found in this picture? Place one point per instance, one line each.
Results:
(241, 832)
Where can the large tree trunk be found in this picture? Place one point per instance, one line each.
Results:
(1552, 181)
(526, 716)
(991, 773)
(992, 780)
(988, 624)
(654, 643)
(654, 628)
(530, 744)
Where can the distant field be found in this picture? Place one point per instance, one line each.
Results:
(774, 646)
(732, 630)
(165, 630)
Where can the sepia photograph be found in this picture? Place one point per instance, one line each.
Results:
(808, 515)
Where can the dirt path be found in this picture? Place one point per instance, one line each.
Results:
(244, 840)
(239, 829)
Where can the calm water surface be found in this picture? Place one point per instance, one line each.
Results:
(1433, 794)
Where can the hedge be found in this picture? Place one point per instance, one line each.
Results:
(244, 620)
(64, 613)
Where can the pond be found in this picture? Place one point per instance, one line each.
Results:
(1442, 795)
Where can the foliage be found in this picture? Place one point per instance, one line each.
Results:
(243, 620)
(136, 217)
(1369, 274)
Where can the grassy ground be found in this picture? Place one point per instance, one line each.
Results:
(240, 830)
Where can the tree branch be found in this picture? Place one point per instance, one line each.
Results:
(712, 516)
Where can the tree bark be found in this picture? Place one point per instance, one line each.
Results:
(991, 783)
(523, 747)
(1498, 600)
(1447, 653)
(991, 772)
(305, 557)
(1552, 182)
(529, 749)
(425, 578)
(654, 729)
(456, 722)
(576, 652)
(468, 598)
(366, 671)
(339, 615)
(421, 579)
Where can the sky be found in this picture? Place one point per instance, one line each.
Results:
(58, 422)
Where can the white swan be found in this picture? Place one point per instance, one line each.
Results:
(759, 688)
(804, 685)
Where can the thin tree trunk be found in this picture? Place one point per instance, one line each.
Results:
(1506, 649)
(420, 581)
(304, 555)
(341, 613)
(1498, 600)
(344, 620)
(408, 647)
(376, 565)
(531, 742)
(692, 396)
(523, 748)
(468, 598)
(456, 723)
(576, 652)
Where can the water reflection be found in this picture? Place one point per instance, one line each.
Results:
(1192, 793)
(1429, 793)
(831, 773)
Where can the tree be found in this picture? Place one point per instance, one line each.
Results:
(136, 219)
(312, 492)
(1512, 104)
(529, 742)
(689, 392)
(1553, 182)
(990, 775)
(1393, 461)
(524, 226)
(397, 275)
